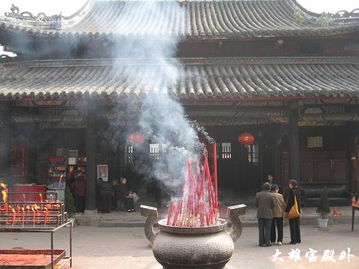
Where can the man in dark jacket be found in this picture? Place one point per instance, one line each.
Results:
(265, 203)
(99, 202)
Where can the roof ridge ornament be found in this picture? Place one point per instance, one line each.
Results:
(42, 20)
(347, 14)
(305, 17)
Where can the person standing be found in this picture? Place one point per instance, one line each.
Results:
(71, 178)
(79, 189)
(106, 197)
(115, 193)
(270, 179)
(278, 213)
(265, 203)
(99, 202)
(292, 211)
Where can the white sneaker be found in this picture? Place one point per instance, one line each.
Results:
(280, 243)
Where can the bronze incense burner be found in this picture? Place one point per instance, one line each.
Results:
(208, 247)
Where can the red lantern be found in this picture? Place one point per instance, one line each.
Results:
(136, 138)
(246, 139)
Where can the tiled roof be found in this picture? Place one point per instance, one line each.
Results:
(202, 79)
(202, 19)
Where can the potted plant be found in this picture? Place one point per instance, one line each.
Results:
(323, 209)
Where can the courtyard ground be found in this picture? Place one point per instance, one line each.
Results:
(127, 248)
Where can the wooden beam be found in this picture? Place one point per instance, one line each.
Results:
(4, 142)
(331, 117)
(91, 172)
(293, 137)
(235, 108)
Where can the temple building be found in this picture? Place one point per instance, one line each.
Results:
(283, 76)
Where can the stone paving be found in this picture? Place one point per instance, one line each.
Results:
(127, 248)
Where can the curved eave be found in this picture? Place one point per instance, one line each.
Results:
(303, 33)
(247, 79)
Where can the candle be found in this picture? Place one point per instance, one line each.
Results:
(41, 199)
(4, 192)
(28, 212)
(13, 216)
(60, 180)
(46, 215)
(33, 215)
(38, 213)
(23, 216)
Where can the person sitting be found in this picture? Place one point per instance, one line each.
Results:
(125, 196)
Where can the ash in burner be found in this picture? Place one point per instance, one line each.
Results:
(198, 206)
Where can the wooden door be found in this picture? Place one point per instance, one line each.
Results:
(323, 169)
(307, 171)
(339, 170)
(18, 159)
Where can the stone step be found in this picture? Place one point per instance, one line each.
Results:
(118, 219)
(246, 222)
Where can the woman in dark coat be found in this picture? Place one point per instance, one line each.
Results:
(79, 188)
(293, 223)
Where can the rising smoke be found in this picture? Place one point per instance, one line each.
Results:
(150, 35)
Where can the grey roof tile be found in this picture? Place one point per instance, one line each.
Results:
(236, 78)
(192, 19)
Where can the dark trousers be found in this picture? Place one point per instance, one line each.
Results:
(106, 201)
(264, 227)
(294, 230)
(277, 223)
(129, 204)
(80, 204)
(99, 204)
(121, 204)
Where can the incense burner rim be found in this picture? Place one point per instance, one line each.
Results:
(163, 227)
(151, 213)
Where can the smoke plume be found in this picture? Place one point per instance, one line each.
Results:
(148, 37)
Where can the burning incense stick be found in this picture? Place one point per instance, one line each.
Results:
(198, 205)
